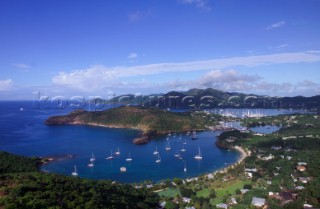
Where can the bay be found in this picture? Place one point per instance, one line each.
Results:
(23, 132)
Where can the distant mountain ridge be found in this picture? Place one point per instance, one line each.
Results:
(212, 98)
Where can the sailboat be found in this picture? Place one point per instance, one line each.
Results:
(156, 151)
(177, 155)
(117, 152)
(180, 136)
(184, 142)
(90, 164)
(75, 172)
(93, 158)
(129, 158)
(183, 149)
(185, 167)
(168, 147)
(159, 159)
(194, 135)
(110, 157)
(198, 156)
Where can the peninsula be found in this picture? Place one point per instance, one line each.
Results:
(151, 122)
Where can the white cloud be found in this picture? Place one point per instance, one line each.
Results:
(233, 81)
(100, 77)
(133, 55)
(22, 66)
(93, 78)
(201, 4)
(5, 84)
(223, 63)
(279, 47)
(276, 25)
(229, 80)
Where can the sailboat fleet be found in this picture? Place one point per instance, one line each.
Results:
(177, 155)
(251, 114)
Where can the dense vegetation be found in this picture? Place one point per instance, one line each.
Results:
(21, 186)
(13, 164)
(283, 120)
(233, 134)
(145, 119)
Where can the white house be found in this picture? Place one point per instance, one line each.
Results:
(302, 163)
(233, 201)
(222, 205)
(243, 191)
(186, 200)
(258, 202)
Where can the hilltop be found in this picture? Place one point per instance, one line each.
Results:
(151, 121)
(213, 98)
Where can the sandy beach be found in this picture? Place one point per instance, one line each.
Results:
(243, 153)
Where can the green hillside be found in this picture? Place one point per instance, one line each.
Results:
(145, 119)
(21, 186)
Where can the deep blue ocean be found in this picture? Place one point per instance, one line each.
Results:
(23, 132)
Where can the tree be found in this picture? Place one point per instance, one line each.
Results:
(247, 186)
(212, 194)
(171, 205)
(186, 192)
(177, 181)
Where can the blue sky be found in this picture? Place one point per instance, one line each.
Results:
(99, 47)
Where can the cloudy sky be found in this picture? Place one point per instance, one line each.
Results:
(102, 48)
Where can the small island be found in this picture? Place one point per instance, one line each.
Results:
(152, 122)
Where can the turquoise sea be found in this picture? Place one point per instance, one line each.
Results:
(23, 132)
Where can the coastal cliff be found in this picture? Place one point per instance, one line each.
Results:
(151, 122)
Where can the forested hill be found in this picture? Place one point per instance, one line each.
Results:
(145, 119)
(23, 187)
(212, 98)
(10, 163)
